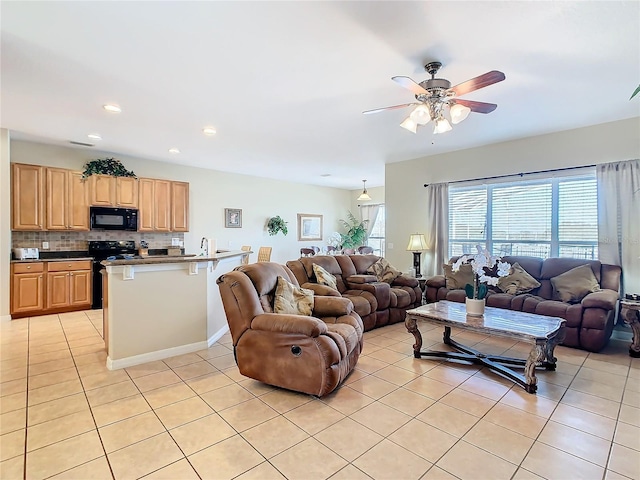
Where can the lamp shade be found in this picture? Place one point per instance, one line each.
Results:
(364, 195)
(417, 243)
(421, 114)
(442, 125)
(459, 113)
(409, 124)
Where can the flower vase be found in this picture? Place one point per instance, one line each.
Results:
(475, 307)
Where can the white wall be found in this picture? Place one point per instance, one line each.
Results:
(213, 191)
(406, 195)
(5, 224)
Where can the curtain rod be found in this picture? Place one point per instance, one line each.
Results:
(371, 204)
(522, 174)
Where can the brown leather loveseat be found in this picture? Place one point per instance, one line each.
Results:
(590, 321)
(310, 354)
(377, 303)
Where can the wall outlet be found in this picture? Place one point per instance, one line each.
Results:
(175, 242)
(45, 245)
(390, 246)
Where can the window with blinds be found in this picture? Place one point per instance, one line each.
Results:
(541, 218)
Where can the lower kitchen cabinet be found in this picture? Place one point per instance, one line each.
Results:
(68, 284)
(40, 288)
(27, 287)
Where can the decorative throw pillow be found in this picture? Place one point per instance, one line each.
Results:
(518, 281)
(384, 271)
(324, 278)
(291, 299)
(573, 285)
(459, 279)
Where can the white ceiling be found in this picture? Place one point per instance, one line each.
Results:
(285, 83)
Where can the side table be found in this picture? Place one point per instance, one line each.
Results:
(423, 286)
(630, 312)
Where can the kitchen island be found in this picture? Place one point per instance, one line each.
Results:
(160, 307)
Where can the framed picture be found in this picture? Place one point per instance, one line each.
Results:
(309, 226)
(233, 218)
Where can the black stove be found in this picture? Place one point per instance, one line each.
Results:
(101, 250)
(107, 250)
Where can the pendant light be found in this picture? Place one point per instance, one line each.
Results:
(364, 195)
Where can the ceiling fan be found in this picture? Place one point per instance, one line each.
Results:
(436, 95)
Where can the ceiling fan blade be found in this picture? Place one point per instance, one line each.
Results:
(478, 107)
(477, 83)
(394, 107)
(409, 84)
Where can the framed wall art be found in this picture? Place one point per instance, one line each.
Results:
(233, 217)
(309, 226)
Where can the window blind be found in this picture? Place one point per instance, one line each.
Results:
(541, 217)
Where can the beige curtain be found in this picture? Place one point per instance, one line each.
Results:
(437, 229)
(619, 219)
(369, 213)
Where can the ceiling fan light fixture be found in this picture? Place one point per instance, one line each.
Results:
(421, 114)
(458, 113)
(364, 195)
(409, 124)
(442, 125)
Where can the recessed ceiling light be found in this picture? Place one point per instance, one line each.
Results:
(94, 136)
(209, 131)
(174, 150)
(112, 108)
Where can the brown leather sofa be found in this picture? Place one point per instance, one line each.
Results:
(310, 354)
(589, 322)
(377, 303)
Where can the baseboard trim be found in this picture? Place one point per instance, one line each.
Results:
(157, 355)
(5, 318)
(217, 336)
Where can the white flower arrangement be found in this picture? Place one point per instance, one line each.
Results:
(483, 265)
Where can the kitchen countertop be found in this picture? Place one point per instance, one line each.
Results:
(66, 259)
(157, 259)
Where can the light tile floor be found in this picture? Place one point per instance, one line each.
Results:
(64, 415)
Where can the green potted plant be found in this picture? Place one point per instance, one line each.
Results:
(356, 232)
(106, 166)
(277, 224)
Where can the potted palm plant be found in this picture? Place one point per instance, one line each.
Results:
(356, 232)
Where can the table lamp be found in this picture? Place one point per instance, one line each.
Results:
(417, 245)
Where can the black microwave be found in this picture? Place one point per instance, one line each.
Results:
(108, 218)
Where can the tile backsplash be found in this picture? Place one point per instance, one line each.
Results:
(61, 241)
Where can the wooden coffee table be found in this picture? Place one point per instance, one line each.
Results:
(543, 332)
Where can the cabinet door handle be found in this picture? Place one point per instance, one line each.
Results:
(71, 274)
(28, 266)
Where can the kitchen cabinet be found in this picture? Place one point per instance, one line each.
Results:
(27, 192)
(27, 287)
(114, 191)
(154, 213)
(179, 206)
(67, 206)
(68, 284)
(163, 206)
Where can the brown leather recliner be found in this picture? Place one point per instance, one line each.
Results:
(306, 354)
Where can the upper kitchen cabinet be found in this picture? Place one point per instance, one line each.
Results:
(127, 192)
(27, 212)
(67, 200)
(111, 191)
(179, 206)
(154, 205)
